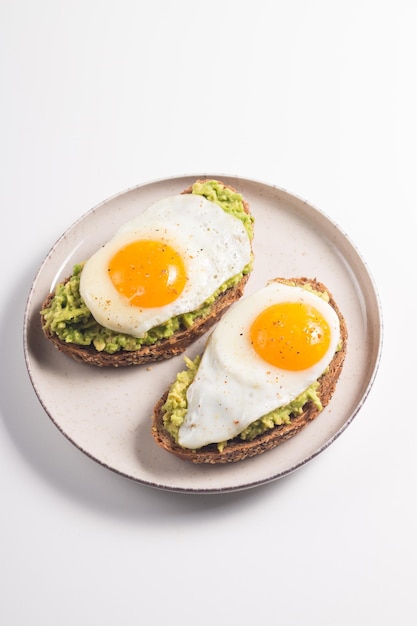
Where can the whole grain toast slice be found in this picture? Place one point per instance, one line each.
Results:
(164, 348)
(237, 449)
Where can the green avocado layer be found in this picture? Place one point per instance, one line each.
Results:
(70, 319)
(175, 407)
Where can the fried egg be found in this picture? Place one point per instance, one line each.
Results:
(266, 350)
(167, 261)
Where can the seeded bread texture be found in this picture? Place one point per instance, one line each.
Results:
(238, 450)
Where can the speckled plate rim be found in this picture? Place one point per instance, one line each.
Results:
(326, 245)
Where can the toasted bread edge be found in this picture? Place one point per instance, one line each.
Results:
(163, 349)
(238, 450)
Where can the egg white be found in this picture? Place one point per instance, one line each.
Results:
(234, 386)
(214, 246)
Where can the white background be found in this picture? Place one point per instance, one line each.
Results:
(317, 97)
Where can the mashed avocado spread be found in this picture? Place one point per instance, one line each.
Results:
(175, 407)
(69, 318)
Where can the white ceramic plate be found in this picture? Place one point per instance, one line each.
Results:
(106, 413)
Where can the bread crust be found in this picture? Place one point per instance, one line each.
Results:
(237, 449)
(161, 350)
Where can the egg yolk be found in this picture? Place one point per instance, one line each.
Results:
(148, 273)
(290, 335)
